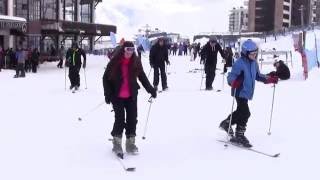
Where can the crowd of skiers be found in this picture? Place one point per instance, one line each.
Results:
(124, 68)
(22, 60)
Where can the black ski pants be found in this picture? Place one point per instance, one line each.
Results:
(156, 74)
(20, 71)
(210, 71)
(74, 76)
(241, 115)
(125, 112)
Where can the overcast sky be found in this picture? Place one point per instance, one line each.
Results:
(187, 17)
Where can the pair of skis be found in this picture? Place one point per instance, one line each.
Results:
(120, 158)
(250, 149)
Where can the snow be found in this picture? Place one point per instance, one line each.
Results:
(41, 137)
(12, 18)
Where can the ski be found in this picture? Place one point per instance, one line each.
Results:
(120, 158)
(251, 149)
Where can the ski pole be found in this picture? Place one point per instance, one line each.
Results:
(93, 109)
(85, 77)
(201, 78)
(222, 88)
(146, 125)
(65, 78)
(274, 89)
(234, 97)
(149, 72)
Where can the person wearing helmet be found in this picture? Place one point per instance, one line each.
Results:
(73, 61)
(242, 77)
(209, 55)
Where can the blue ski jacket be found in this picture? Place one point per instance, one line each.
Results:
(246, 71)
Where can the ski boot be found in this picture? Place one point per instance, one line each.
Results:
(224, 125)
(165, 88)
(240, 139)
(117, 146)
(76, 88)
(130, 145)
(71, 87)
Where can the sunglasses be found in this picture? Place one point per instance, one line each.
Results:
(129, 49)
(253, 53)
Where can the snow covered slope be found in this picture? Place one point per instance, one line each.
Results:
(42, 139)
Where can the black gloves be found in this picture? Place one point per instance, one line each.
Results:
(168, 62)
(84, 65)
(154, 93)
(107, 99)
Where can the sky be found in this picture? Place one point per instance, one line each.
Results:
(187, 17)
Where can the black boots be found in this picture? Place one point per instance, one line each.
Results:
(240, 138)
(224, 125)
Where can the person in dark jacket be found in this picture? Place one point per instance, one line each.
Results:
(121, 89)
(228, 58)
(209, 55)
(242, 77)
(35, 59)
(282, 70)
(62, 54)
(158, 57)
(140, 50)
(73, 60)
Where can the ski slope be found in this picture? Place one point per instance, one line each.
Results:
(42, 139)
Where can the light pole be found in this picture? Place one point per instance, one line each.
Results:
(302, 15)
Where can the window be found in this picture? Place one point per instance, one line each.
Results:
(34, 42)
(286, 8)
(285, 16)
(85, 13)
(69, 10)
(34, 9)
(22, 8)
(285, 24)
(3, 7)
(48, 9)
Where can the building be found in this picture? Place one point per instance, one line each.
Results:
(302, 12)
(269, 15)
(274, 15)
(51, 23)
(316, 12)
(238, 19)
(11, 27)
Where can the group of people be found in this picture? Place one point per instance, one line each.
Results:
(124, 68)
(22, 60)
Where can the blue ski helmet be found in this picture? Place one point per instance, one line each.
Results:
(248, 46)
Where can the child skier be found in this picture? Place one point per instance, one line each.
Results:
(242, 80)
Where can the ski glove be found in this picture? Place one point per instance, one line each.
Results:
(154, 93)
(272, 79)
(168, 62)
(84, 66)
(236, 84)
(107, 99)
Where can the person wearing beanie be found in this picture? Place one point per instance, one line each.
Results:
(121, 89)
(73, 61)
(244, 73)
(209, 56)
(158, 59)
(282, 70)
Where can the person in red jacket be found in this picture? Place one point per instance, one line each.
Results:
(121, 89)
